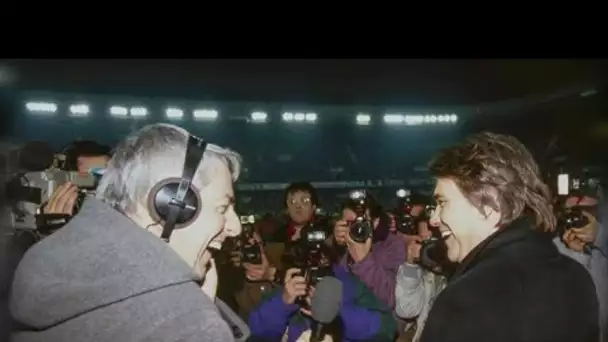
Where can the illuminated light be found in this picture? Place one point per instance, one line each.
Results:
(394, 118)
(205, 114)
(402, 193)
(287, 116)
(119, 111)
(310, 117)
(453, 118)
(299, 117)
(41, 107)
(138, 112)
(413, 120)
(357, 194)
(259, 117)
(79, 110)
(433, 118)
(363, 119)
(174, 113)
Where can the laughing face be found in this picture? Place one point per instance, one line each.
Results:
(216, 221)
(455, 216)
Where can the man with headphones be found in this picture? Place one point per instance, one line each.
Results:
(133, 264)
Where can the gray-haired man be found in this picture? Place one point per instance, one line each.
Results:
(107, 276)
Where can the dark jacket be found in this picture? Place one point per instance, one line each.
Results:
(516, 287)
(102, 278)
(364, 317)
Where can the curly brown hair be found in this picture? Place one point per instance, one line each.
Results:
(498, 171)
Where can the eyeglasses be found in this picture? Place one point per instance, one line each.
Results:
(304, 201)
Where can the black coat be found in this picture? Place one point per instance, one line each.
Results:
(515, 287)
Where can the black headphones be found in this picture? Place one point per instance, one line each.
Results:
(173, 201)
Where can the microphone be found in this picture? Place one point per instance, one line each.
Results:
(325, 304)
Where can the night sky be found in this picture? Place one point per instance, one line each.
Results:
(367, 82)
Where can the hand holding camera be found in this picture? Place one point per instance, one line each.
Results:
(414, 244)
(259, 272)
(63, 200)
(577, 238)
(341, 230)
(357, 250)
(295, 286)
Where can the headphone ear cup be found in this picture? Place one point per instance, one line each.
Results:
(161, 196)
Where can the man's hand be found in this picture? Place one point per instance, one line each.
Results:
(413, 248)
(577, 238)
(358, 251)
(259, 272)
(62, 201)
(307, 335)
(295, 286)
(310, 293)
(341, 229)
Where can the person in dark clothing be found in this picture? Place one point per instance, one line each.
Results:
(512, 284)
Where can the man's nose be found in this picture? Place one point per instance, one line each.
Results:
(434, 221)
(233, 226)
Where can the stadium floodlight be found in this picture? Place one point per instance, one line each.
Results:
(119, 111)
(41, 107)
(259, 117)
(363, 119)
(393, 119)
(310, 117)
(79, 110)
(204, 114)
(300, 117)
(287, 116)
(138, 112)
(174, 113)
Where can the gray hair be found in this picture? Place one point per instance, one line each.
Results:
(150, 155)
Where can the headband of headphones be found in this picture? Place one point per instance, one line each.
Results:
(177, 205)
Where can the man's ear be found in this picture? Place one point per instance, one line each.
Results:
(492, 217)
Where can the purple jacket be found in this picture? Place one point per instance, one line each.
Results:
(363, 316)
(378, 270)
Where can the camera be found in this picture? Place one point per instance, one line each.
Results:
(433, 253)
(361, 228)
(309, 255)
(568, 218)
(406, 222)
(250, 250)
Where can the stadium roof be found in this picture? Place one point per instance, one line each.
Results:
(366, 82)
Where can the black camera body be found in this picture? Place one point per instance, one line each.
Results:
(361, 228)
(433, 253)
(251, 251)
(570, 218)
(309, 256)
(313, 239)
(406, 222)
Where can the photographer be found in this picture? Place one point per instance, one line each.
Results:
(573, 242)
(376, 260)
(300, 201)
(418, 284)
(361, 317)
(80, 156)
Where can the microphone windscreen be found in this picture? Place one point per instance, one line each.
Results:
(327, 300)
